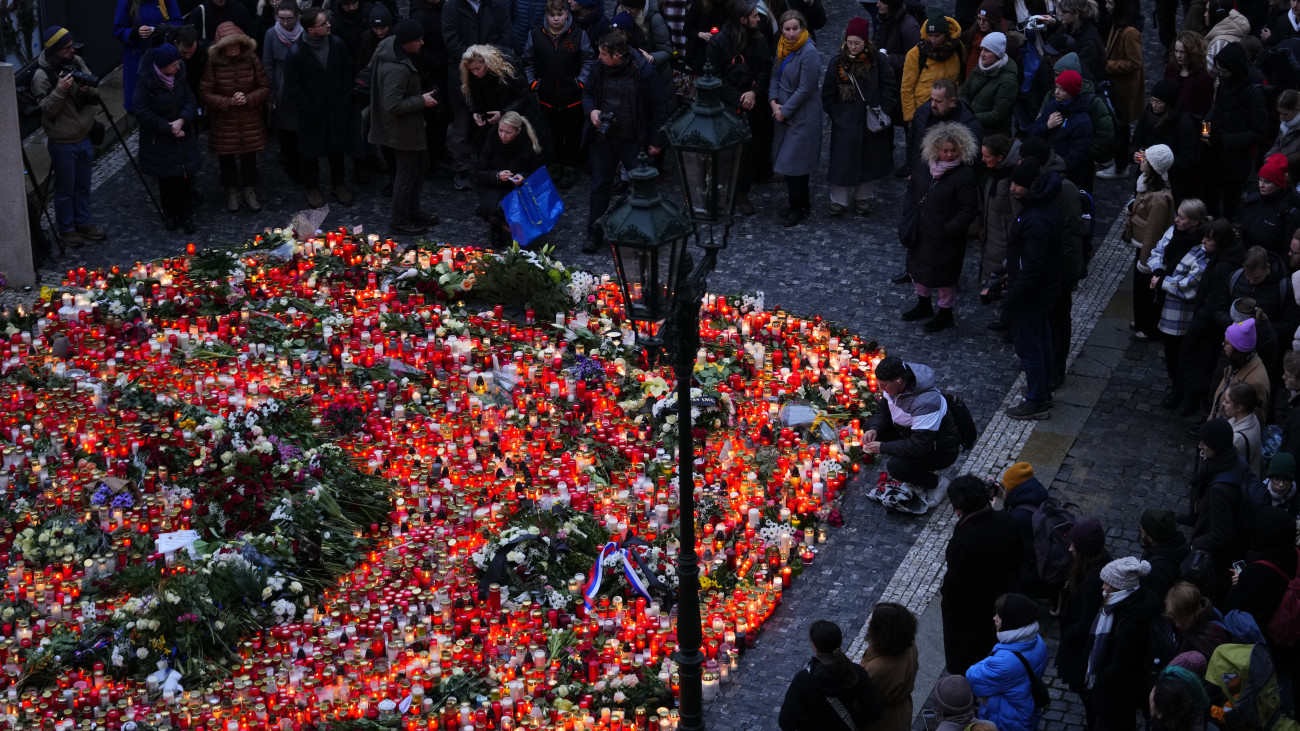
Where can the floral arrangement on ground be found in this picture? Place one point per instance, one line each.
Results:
(335, 482)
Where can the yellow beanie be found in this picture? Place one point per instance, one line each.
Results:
(1016, 475)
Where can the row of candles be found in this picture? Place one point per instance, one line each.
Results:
(407, 621)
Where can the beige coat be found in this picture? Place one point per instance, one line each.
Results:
(1151, 215)
(893, 678)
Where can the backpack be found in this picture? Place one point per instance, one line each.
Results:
(1284, 627)
(1272, 442)
(965, 422)
(1283, 284)
(1162, 645)
(1051, 523)
(1254, 495)
(1245, 674)
(1198, 569)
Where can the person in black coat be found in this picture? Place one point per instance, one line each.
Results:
(897, 31)
(829, 674)
(1164, 124)
(703, 19)
(165, 108)
(1080, 599)
(1238, 122)
(1216, 495)
(1258, 589)
(1022, 495)
(742, 59)
(1269, 216)
(488, 22)
(559, 61)
(350, 19)
(511, 153)
(433, 62)
(1115, 670)
(590, 17)
(320, 92)
(1066, 124)
(942, 201)
(1164, 547)
(984, 560)
(1033, 283)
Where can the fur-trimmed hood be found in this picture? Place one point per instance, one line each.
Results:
(229, 34)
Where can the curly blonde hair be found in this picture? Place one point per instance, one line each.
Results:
(944, 132)
(492, 57)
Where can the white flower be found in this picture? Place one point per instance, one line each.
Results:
(142, 652)
(171, 598)
(219, 624)
(295, 587)
(619, 697)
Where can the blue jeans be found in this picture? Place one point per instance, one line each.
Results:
(1033, 343)
(71, 164)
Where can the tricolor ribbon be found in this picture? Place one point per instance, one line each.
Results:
(631, 562)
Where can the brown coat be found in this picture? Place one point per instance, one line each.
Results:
(1124, 68)
(235, 128)
(1152, 214)
(1252, 373)
(893, 678)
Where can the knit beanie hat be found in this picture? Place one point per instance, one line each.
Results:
(1160, 158)
(1070, 82)
(1274, 170)
(1125, 573)
(1218, 10)
(936, 24)
(995, 43)
(953, 696)
(1088, 536)
(1161, 525)
(1282, 466)
(1037, 149)
(1166, 90)
(1243, 308)
(1025, 173)
(1217, 435)
(380, 16)
(889, 368)
(1190, 660)
(1016, 611)
(1016, 475)
(991, 10)
(859, 27)
(56, 37)
(165, 54)
(408, 30)
(624, 21)
(588, 3)
(1241, 335)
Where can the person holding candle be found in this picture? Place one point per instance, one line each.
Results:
(831, 691)
(915, 431)
(891, 663)
(1004, 680)
(397, 104)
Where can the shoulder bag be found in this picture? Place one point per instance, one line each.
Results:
(877, 119)
(909, 229)
(1037, 688)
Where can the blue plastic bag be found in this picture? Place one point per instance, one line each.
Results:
(533, 208)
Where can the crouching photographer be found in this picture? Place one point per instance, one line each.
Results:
(69, 100)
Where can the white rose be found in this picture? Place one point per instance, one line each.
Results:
(142, 653)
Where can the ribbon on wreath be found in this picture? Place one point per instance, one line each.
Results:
(630, 557)
(497, 566)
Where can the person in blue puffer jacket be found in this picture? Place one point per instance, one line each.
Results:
(1000, 680)
(1066, 124)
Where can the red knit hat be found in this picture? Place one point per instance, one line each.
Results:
(860, 27)
(1274, 170)
(1070, 82)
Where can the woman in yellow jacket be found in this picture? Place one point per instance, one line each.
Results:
(937, 56)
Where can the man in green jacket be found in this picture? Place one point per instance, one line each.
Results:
(397, 122)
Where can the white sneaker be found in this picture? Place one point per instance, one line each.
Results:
(1110, 173)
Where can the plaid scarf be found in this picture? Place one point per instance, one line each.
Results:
(1099, 637)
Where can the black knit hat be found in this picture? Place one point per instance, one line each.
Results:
(1166, 90)
(1217, 435)
(890, 368)
(1016, 611)
(408, 30)
(1025, 173)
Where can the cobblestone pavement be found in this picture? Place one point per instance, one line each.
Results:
(834, 267)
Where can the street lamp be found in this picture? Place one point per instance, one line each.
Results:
(663, 292)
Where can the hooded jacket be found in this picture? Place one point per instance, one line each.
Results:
(806, 708)
(1103, 123)
(1232, 29)
(1074, 265)
(1239, 115)
(235, 129)
(1033, 253)
(995, 202)
(1073, 139)
(920, 71)
(920, 415)
(1001, 680)
(1020, 504)
(1166, 561)
(396, 100)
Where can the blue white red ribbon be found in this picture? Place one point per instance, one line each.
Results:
(629, 556)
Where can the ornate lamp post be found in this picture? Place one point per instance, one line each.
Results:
(663, 293)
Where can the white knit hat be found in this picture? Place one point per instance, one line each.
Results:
(1125, 573)
(1160, 158)
(995, 43)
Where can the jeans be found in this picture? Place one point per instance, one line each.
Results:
(407, 179)
(1033, 344)
(71, 163)
(606, 154)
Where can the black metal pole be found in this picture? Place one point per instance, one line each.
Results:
(689, 636)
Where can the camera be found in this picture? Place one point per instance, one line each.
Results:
(608, 121)
(81, 77)
(992, 289)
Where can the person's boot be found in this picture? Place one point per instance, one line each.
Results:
(941, 321)
(232, 200)
(314, 198)
(250, 199)
(920, 312)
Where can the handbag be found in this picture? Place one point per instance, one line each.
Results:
(533, 208)
(1037, 688)
(909, 229)
(877, 119)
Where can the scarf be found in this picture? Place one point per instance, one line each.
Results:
(1290, 16)
(320, 46)
(938, 53)
(287, 37)
(937, 168)
(1285, 127)
(1099, 637)
(854, 68)
(168, 81)
(995, 65)
(785, 48)
(1022, 634)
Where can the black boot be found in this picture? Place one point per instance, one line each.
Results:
(941, 321)
(920, 312)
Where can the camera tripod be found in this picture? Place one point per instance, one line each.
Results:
(134, 165)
